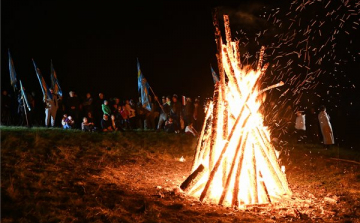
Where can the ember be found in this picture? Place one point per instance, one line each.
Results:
(235, 164)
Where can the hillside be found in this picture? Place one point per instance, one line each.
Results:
(55, 175)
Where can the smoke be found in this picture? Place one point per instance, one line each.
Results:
(245, 16)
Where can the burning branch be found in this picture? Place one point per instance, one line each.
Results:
(235, 163)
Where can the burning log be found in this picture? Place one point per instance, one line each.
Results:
(193, 178)
(204, 136)
(235, 164)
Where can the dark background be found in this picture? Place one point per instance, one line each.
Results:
(94, 46)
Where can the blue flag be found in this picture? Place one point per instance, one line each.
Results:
(13, 80)
(54, 81)
(143, 88)
(23, 95)
(44, 88)
(214, 75)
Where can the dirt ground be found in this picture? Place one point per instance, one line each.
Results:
(137, 178)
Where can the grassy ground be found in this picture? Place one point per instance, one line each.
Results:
(55, 175)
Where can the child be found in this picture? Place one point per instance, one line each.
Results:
(67, 122)
(170, 126)
(125, 117)
(106, 124)
(105, 108)
(87, 126)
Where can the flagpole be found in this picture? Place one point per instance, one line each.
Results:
(27, 122)
(156, 98)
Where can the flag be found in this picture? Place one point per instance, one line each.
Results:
(214, 75)
(54, 81)
(13, 80)
(23, 95)
(44, 88)
(143, 88)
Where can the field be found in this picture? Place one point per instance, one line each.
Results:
(55, 175)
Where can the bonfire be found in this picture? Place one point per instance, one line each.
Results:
(235, 163)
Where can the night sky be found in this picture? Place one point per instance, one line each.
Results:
(94, 46)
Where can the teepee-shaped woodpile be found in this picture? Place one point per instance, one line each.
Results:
(235, 163)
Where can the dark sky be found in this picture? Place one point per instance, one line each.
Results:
(94, 46)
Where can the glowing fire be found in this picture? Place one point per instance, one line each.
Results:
(235, 163)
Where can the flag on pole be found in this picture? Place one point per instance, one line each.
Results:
(54, 81)
(44, 88)
(214, 75)
(23, 95)
(13, 80)
(143, 88)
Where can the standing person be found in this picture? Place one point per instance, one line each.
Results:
(325, 126)
(37, 112)
(125, 121)
(176, 111)
(73, 107)
(97, 109)
(152, 115)
(188, 112)
(165, 113)
(196, 114)
(132, 113)
(5, 108)
(141, 113)
(51, 107)
(87, 104)
(115, 105)
(300, 126)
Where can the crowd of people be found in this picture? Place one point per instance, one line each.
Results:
(168, 113)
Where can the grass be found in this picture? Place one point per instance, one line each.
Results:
(56, 175)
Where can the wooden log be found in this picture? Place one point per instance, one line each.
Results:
(237, 54)
(225, 118)
(263, 188)
(214, 128)
(267, 143)
(235, 200)
(253, 177)
(217, 164)
(206, 128)
(193, 178)
(218, 40)
(230, 71)
(239, 155)
(282, 189)
(261, 56)
(196, 188)
(228, 36)
(271, 160)
(349, 161)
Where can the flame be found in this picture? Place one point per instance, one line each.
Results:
(235, 163)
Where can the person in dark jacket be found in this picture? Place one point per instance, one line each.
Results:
(165, 113)
(73, 106)
(5, 108)
(106, 124)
